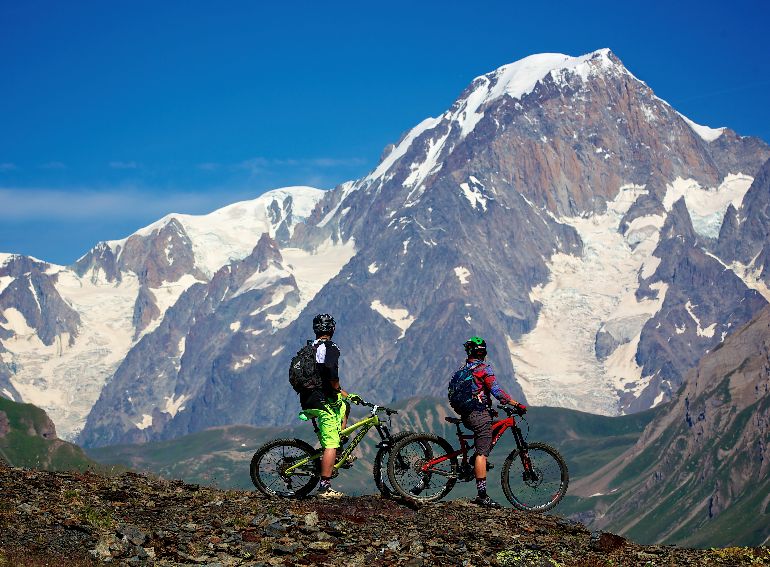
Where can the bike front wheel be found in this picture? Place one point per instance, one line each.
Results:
(270, 463)
(538, 487)
(380, 468)
(420, 469)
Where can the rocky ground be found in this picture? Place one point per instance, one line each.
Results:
(84, 519)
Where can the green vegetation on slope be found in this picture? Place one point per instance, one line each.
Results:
(27, 440)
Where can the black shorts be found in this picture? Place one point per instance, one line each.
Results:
(480, 422)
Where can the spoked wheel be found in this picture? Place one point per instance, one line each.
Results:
(411, 473)
(270, 463)
(380, 468)
(539, 488)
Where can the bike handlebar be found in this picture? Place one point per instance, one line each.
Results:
(376, 408)
(511, 410)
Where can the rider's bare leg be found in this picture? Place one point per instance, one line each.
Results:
(480, 467)
(327, 461)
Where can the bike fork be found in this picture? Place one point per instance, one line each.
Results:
(529, 473)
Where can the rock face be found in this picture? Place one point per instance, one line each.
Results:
(164, 256)
(744, 239)
(32, 294)
(703, 468)
(197, 338)
(6, 386)
(693, 319)
(80, 518)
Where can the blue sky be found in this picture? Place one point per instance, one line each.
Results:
(113, 114)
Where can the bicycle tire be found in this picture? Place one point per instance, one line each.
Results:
(380, 466)
(543, 492)
(404, 463)
(270, 458)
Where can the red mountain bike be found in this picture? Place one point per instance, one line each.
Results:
(424, 467)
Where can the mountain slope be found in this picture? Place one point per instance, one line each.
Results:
(28, 439)
(699, 474)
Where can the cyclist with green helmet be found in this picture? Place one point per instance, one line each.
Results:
(470, 392)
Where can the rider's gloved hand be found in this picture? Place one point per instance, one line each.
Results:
(355, 399)
(520, 409)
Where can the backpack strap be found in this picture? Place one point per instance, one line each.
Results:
(474, 367)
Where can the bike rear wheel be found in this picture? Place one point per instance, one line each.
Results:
(541, 488)
(380, 467)
(269, 463)
(409, 475)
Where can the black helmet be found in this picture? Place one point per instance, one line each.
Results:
(323, 324)
(476, 347)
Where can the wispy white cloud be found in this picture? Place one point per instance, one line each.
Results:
(53, 165)
(337, 162)
(123, 203)
(209, 166)
(124, 165)
(260, 164)
(7, 166)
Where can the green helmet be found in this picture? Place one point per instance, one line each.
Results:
(476, 347)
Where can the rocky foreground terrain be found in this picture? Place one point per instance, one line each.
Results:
(76, 519)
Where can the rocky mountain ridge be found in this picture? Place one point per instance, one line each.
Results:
(85, 518)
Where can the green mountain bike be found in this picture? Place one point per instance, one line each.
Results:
(291, 468)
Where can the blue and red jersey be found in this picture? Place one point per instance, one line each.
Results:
(484, 384)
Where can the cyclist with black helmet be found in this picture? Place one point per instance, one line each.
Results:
(329, 404)
(475, 410)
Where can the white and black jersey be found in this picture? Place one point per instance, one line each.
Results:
(327, 358)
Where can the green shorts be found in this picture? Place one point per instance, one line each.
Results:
(329, 422)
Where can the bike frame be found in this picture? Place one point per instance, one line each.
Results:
(364, 425)
(498, 428)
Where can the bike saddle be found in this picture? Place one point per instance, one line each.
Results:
(454, 420)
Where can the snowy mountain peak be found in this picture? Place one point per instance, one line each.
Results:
(516, 80)
(231, 232)
(519, 78)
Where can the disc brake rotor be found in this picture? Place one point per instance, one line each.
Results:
(534, 478)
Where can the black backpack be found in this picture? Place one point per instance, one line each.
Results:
(303, 372)
(460, 390)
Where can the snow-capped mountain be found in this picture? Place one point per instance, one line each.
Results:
(65, 330)
(558, 208)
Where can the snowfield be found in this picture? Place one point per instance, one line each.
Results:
(67, 380)
(556, 363)
(230, 233)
